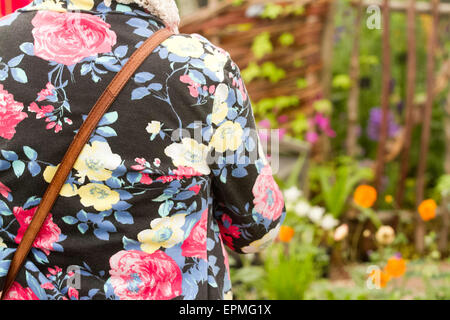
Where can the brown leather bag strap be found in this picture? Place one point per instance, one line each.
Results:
(81, 138)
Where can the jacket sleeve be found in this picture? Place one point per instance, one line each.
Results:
(249, 205)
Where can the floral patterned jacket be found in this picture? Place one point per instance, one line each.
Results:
(144, 214)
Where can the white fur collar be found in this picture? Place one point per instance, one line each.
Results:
(166, 10)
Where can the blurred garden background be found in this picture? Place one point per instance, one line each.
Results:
(359, 92)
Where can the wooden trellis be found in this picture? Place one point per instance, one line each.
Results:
(411, 8)
(221, 22)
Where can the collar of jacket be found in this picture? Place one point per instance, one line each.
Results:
(165, 11)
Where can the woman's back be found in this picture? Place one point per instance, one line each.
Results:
(153, 197)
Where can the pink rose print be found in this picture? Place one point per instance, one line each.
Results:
(193, 86)
(187, 172)
(73, 294)
(47, 93)
(47, 236)
(69, 37)
(228, 231)
(268, 200)
(195, 188)
(136, 275)
(17, 292)
(10, 114)
(195, 244)
(179, 174)
(48, 286)
(41, 112)
(145, 179)
(166, 179)
(4, 190)
(54, 271)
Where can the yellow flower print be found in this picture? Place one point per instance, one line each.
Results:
(189, 153)
(220, 107)
(67, 190)
(216, 62)
(228, 295)
(227, 137)
(98, 195)
(154, 127)
(184, 46)
(53, 5)
(262, 243)
(96, 162)
(2, 244)
(81, 4)
(165, 232)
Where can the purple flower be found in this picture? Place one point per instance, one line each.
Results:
(374, 126)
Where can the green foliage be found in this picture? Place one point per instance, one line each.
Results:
(302, 83)
(268, 105)
(342, 81)
(272, 11)
(243, 27)
(296, 10)
(323, 106)
(267, 70)
(237, 3)
(286, 39)
(335, 182)
(288, 276)
(252, 72)
(298, 63)
(300, 125)
(262, 45)
(443, 186)
(272, 72)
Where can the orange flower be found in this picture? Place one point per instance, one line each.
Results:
(365, 196)
(379, 278)
(286, 234)
(427, 209)
(396, 267)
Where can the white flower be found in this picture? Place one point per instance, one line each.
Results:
(385, 235)
(292, 194)
(341, 232)
(316, 214)
(216, 62)
(189, 153)
(165, 232)
(185, 46)
(264, 242)
(96, 161)
(220, 106)
(229, 136)
(328, 222)
(154, 127)
(302, 208)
